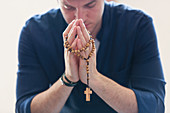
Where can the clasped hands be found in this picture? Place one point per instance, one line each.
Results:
(78, 36)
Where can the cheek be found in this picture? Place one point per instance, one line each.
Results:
(95, 14)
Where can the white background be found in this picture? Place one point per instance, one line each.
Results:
(13, 15)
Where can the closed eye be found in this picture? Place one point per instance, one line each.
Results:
(68, 7)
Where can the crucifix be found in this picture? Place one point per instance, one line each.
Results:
(88, 92)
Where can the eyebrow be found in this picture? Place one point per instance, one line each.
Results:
(90, 2)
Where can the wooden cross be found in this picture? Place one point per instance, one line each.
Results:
(88, 92)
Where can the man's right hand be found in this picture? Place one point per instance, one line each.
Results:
(71, 60)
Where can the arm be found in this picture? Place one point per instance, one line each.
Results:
(147, 79)
(120, 98)
(33, 92)
(51, 100)
(146, 90)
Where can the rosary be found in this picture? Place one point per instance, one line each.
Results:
(77, 52)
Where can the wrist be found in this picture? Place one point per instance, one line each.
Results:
(94, 79)
(67, 82)
(71, 78)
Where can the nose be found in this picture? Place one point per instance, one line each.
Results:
(80, 14)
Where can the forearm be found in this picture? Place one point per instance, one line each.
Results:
(120, 98)
(51, 100)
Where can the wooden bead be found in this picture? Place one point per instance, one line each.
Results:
(66, 42)
(87, 45)
(72, 51)
(88, 57)
(82, 57)
(69, 48)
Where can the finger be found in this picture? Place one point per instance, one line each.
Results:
(79, 45)
(80, 35)
(74, 24)
(65, 33)
(72, 33)
(84, 30)
(74, 44)
(71, 36)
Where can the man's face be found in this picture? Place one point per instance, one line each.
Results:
(90, 11)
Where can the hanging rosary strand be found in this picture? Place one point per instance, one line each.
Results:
(77, 52)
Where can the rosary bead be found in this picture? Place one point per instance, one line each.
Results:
(82, 57)
(72, 51)
(88, 57)
(87, 44)
(69, 48)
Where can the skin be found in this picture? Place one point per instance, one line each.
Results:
(83, 16)
(85, 10)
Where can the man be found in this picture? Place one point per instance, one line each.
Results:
(124, 71)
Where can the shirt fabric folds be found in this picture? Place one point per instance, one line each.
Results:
(128, 54)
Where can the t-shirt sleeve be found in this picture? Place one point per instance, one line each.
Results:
(31, 78)
(147, 79)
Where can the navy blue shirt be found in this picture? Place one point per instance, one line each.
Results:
(128, 54)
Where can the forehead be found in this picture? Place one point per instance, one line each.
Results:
(76, 2)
